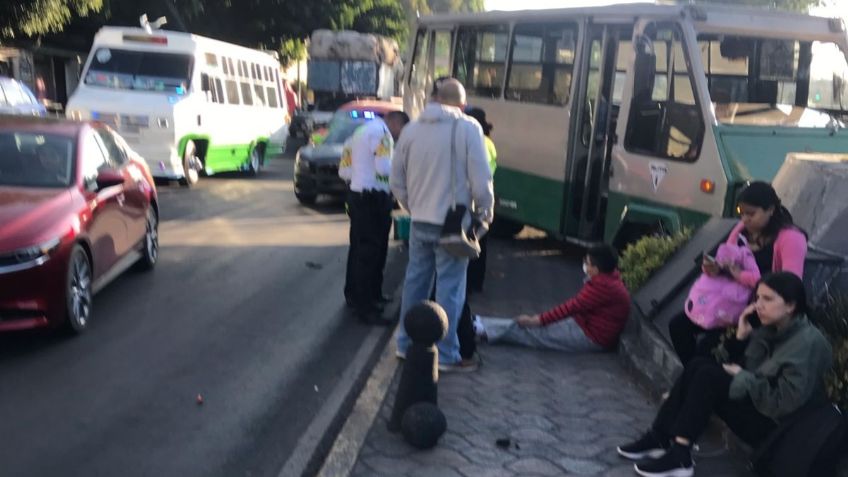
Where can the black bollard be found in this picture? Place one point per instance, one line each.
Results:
(425, 323)
(423, 424)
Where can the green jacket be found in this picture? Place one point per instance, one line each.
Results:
(784, 369)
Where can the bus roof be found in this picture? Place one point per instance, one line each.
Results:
(706, 18)
(139, 39)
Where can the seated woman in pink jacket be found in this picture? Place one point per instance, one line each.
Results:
(778, 246)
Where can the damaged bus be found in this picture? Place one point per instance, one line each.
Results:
(620, 121)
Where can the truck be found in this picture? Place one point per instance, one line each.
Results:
(344, 66)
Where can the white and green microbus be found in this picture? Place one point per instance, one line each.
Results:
(185, 103)
(614, 122)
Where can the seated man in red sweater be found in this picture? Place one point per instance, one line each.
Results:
(590, 321)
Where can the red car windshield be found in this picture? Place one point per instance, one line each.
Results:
(31, 159)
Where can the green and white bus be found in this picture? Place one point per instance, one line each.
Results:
(185, 103)
(614, 122)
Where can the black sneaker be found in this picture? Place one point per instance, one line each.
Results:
(649, 446)
(677, 462)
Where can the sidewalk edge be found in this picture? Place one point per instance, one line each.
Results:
(345, 450)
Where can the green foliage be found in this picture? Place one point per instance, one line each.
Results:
(643, 257)
(832, 319)
(37, 17)
(292, 50)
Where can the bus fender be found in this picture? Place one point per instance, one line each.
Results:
(641, 219)
(201, 140)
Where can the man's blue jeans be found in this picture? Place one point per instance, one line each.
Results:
(427, 260)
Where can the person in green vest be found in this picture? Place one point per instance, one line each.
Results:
(477, 268)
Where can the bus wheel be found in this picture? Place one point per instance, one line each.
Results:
(256, 160)
(191, 165)
(505, 228)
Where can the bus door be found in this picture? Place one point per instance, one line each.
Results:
(602, 71)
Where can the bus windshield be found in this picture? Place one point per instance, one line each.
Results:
(140, 70)
(768, 82)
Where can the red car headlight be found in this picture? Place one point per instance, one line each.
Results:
(28, 257)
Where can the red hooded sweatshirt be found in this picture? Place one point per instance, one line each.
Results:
(600, 308)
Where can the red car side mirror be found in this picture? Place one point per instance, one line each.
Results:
(108, 178)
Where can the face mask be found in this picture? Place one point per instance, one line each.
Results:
(585, 269)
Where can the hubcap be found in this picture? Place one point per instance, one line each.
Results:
(152, 242)
(191, 172)
(80, 290)
(254, 160)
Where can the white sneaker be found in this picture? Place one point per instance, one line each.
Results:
(479, 328)
(400, 355)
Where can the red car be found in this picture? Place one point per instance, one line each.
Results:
(77, 207)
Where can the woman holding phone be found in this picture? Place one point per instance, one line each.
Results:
(778, 245)
(784, 366)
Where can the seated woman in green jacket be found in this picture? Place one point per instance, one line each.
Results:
(786, 360)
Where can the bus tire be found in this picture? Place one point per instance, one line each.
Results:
(254, 164)
(191, 173)
(505, 228)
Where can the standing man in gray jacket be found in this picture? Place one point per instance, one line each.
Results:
(421, 180)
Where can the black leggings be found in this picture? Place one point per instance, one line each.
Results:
(690, 340)
(699, 392)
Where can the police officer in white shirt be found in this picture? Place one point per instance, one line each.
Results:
(366, 163)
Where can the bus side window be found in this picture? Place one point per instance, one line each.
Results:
(542, 64)
(665, 116)
(259, 92)
(481, 59)
(219, 91)
(207, 88)
(232, 92)
(246, 96)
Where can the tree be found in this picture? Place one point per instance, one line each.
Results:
(38, 17)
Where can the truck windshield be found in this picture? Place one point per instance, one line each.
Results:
(767, 82)
(140, 70)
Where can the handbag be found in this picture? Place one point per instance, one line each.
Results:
(459, 237)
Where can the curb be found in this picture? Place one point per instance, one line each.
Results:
(321, 435)
(345, 450)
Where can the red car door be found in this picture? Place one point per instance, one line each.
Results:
(106, 227)
(136, 200)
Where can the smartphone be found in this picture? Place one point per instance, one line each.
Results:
(754, 320)
(709, 258)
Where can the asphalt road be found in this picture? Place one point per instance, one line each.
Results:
(244, 308)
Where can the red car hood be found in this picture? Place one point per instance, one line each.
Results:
(28, 215)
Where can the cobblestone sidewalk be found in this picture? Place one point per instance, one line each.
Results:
(563, 414)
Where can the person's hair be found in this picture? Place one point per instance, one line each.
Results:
(400, 116)
(451, 92)
(436, 83)
(604, 257)
(762, 194)
(789, 287)
(480, 115)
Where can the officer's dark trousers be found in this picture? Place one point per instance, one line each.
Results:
(370, 222)
(702, 390)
